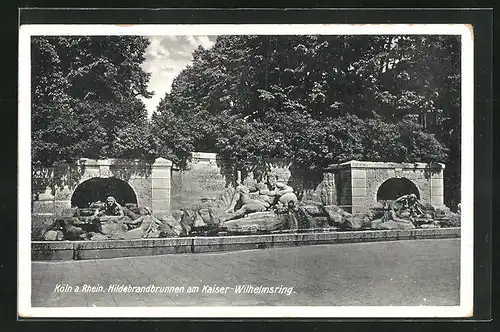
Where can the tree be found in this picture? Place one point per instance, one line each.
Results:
(84, 98)
(316, 100)
(84, 103)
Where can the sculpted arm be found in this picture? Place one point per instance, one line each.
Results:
(267, 192)
(283, 189)
(262, 190)
(400, 199)
(121, 214)
(135, 222)
(394, 217)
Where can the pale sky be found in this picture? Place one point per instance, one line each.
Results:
(166, 56)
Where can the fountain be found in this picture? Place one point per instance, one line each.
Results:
(261, 208)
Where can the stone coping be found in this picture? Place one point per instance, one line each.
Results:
(82, 250)
(109, 162)
(373, 164)
(116, 162)
(204, 155)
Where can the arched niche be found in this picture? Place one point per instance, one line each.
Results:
(393, 188)
(98, 189)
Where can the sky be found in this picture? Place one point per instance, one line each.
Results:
(165, 57)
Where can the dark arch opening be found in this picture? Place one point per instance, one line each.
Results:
(97, 189)
(396, 187)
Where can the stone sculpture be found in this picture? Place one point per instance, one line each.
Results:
(410, 202)
(111, 221)
(110, 208)
(390, 220)
(248, 208)
(264, 196)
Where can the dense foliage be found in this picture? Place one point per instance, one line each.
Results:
(315, 100)
(85, 98)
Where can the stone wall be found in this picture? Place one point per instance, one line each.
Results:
(158, 185)
(73, 250)
(352, 185)
(204, 178)
(359, 182)
(54, 187)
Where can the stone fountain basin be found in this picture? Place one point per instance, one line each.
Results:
(84, 250)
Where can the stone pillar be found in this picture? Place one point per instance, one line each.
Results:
(160, 186)
(437, 187)
(358, 189)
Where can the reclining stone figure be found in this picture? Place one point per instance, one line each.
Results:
(390, 219)
(411, 204)
(261, 197)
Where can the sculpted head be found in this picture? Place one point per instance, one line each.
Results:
(110, 201)
(272, 179)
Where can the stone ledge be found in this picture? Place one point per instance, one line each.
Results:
(88, 162)
(81, 250)
(356, 164)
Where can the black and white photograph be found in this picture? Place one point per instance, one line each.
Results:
(246, 170)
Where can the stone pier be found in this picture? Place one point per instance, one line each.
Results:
(131, 181)
(160, 186)
(359, 184)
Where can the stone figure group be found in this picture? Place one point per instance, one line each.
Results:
(248, 207)
(261, 197)
(110, 220)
